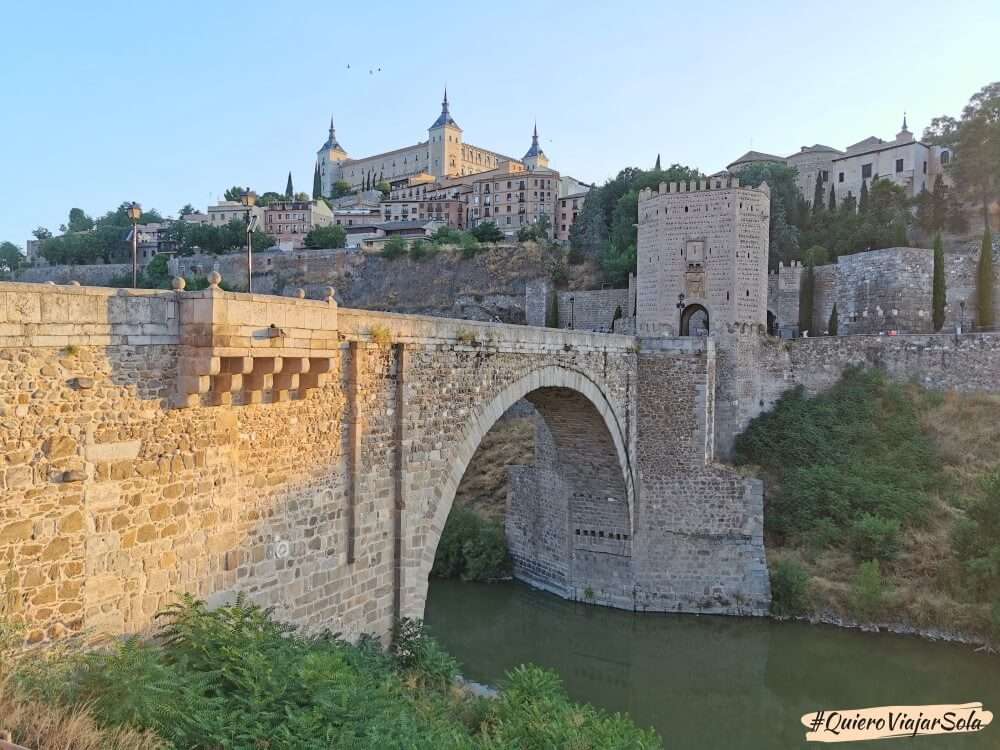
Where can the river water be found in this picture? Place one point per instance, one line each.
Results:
(710, 682)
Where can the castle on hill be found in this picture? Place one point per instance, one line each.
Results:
(443, 154)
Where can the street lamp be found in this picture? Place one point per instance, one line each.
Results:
(249, 199)
(961, 326)
(572, 311)
(134, 214)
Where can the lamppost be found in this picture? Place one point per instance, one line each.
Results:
(249, 199)
(572, 311)
(134, 214)
(961, 325)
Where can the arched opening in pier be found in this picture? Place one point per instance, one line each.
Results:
(550, 477)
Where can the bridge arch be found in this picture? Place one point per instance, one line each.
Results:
(561, 395)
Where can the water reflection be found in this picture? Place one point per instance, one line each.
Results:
(706, 682)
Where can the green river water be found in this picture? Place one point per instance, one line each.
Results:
(710, 682)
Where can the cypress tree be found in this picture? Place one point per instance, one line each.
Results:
(818, 194)
(831, 325)
(657, 165)
(984, 281)
(289, 190)
(806, 288)
(938, 294)
(317, 184)
(832, 204)
(863, 200)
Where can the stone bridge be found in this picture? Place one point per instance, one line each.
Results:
(156, 442)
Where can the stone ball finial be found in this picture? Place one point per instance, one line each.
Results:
(74, 282)
(331, 295)
(300, 293)
(214, 279)
(178, 283)
(50, 281)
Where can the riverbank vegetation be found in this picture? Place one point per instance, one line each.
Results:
(882, 504)
(235, 678)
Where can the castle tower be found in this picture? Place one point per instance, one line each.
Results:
(329, 159)
(535, 158)
(445, 143)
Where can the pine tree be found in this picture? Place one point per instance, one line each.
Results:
(863, 200)
(831, 325)
(832, 204)
(984, 281)
(289, 190)
(317, 184)
(817, 205)
(656, 166)
(938, 293)
(806, 289)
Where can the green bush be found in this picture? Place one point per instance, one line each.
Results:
(533, 712)
(395, 247)
(487, 231)
(789, 588)
(471, 548)
(234, 678)
(420, 249)
(868, 591)
(875, 538)
(470, 246)
(857, 448)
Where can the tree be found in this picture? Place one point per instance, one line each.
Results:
(787, 208)
(326, 237)
(806, 292)
(984, 281)
(833, 323)
(289, 190)
(10, 258)
(938, 292)
(487, 231)
(235, 193)
(657, 165)
(394, 247)
(340, 188)
(41, 233)
(79, 221)
(831, 206)
(317, 183)
(301, 197)
(863, 200)
(269, 197)
(186, 210)
(817, 204)
(383, 187)
(975, 140)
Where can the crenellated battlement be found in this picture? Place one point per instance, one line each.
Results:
(694, 186)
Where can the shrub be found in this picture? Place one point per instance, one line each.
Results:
(789, 588)
(868, 591)
(420, 249)
(533, 712)
(471, 548)
(447, 236)
(470, 246)
(416, 653)
(875, 538)
(487, 231)
(381, 335)
(395, 247)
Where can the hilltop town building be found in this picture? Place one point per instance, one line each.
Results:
(290, 221)
(906, 161)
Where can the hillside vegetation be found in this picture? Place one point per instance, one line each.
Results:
(882, 504)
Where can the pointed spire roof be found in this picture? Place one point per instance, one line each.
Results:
(445, 117)
(331, 141)
(535, 149)
(904, 122)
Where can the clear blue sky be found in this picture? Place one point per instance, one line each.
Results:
(171, 103)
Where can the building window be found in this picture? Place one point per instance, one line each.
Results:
(866, 171)
(925, 166)
(945, 157)
(840, 177)
(899, 165)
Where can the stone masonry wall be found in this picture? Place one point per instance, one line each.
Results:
(98, 275)
(591, 311)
